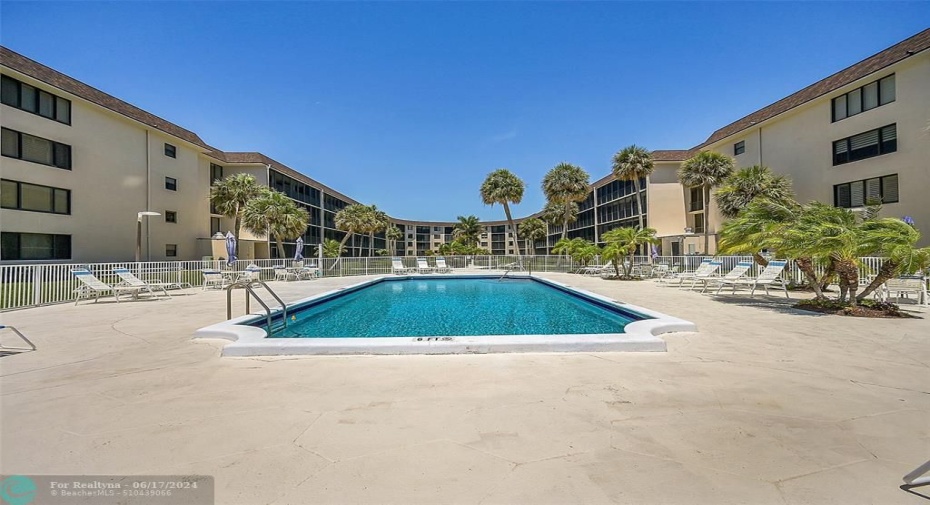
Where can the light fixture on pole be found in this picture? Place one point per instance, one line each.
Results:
(139, 231)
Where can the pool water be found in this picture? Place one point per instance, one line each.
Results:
(454, 307)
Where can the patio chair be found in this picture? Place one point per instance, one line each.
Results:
(129, 279)
(94, 287)
(597, 270)
(214, 278)
(251, 273)
(441, 266)
(770, 276)
(398, 268)
(307, 272)
(282, 273)
(659, 271)
(741, 269)
(423, 266)
(707, 268)
(671, 273)
(907, 285)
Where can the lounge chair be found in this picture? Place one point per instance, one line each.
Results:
(906, 286)
(597, 270)
(707, 268)
(659, 271)
(441, 266)
(213, 278)
(129, 279)
(94, 287)
(398, 268)
(423, 266)
(770, 276)
(738, 272)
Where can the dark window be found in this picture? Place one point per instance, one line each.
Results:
(866, 145)
(25, 97)
(697, 199)
(34, 246)
(216, 172)
(171, 183)
(35, 149)
(214, 225)
(171, 250)
(171, 216)
(33, 197)
(739, 148)
(170, 151)
(866, 192)
(859, 100)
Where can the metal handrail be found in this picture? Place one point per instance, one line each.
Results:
(248, 286)
(916, 478)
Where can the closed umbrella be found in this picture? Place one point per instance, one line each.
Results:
(231, 248)
(655, 252)
(299, 255)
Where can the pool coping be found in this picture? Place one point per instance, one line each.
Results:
(639, 336)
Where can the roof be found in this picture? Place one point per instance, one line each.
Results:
(894, 54)
(77, 88)
(672, 154)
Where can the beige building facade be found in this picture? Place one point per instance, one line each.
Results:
(78, 166)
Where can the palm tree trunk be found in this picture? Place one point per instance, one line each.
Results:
(827, 275)
(280, 245)
(806, 265)
(764, 262)
(849, 279)
(371, 244)
(237, 225)
(516, 239)
(639, 197)
(887, 271)
(706, 219)
(341, 245)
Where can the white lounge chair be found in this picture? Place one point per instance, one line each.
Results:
(676, 273)
(705, 270)
(129, 279)
(398, 268)
(909, 285)
(441, 266)
(738, 272)
(423, 266)
(770, 276)
(213, 278)
(597, 270)
(94, 287)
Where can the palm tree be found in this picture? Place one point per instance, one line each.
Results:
(273, 213)
(623, 242)
(392, 234)
(467, 230)
(375, 221)
(230, 195)
(331, 248)
(352, 220)
(564, 184)
(563, 246)
(894, 239)
(706, 169)
(531, 230)
(503, 187)
(633, 163)
(752, 229)
(746, 184)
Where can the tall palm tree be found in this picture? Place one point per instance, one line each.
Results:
(564, 184)
(554, 214)
(633, 163)
(375, 221)
(707, 170)
(273, 213)
(623, 242)
(467, 230)
(352, 220)
(230, 195)
(503, 187)
(531, 230)
(392, 234)
(746, 184)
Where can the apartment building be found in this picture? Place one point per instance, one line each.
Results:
(78, 165)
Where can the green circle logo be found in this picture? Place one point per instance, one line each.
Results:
(17, 490)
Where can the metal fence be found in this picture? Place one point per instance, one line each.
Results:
(31, 285)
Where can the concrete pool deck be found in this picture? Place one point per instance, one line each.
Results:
(763, 405)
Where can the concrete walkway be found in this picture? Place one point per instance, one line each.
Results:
(763, 405)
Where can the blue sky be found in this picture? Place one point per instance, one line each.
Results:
(410, 105)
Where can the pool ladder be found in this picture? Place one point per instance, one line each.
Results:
(249, 286)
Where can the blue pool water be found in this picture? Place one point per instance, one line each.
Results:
(454, 307)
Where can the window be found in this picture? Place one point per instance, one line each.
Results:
(697, 199)
(865, 192)
(35, 149)
(866, 145)
(171, 184)
(216, 172)
(870, 96)
(34, 246)
(739, 148)
(698, 223)
(33, 197)
(25, 97)
(171, 216)
(214, 225)
(171, 250)
(170, 151)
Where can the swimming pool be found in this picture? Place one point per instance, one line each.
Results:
(429, 307)
(449, 314)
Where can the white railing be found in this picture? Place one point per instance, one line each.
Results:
(30, 285)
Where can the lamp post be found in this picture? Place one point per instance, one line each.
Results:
(139, 231)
